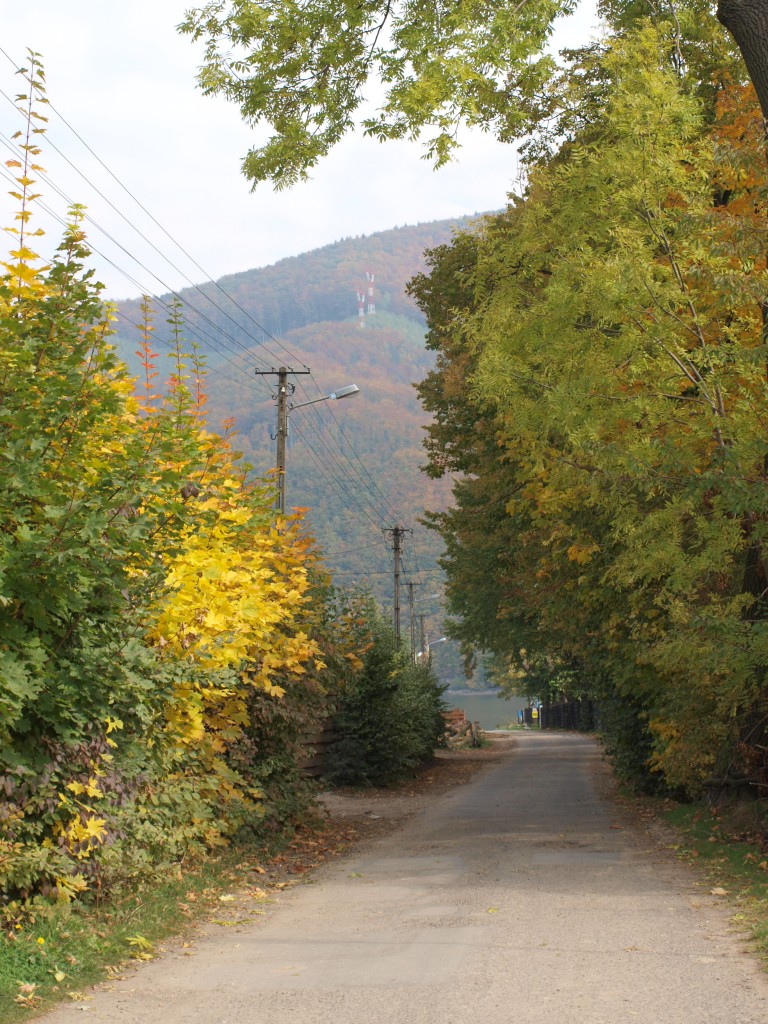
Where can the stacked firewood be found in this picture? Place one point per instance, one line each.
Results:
(459, 731)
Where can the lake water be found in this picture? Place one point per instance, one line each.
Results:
(489, 709)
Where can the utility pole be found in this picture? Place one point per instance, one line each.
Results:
(412, 620)
(423, 634)
(282, 434)
(411, 585)
(284, 389)
(398, 532)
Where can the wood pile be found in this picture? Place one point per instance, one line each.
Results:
(314, 746)
(459, 731)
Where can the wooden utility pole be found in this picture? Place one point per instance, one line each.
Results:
(282, 434)
(398, 532)
(284, 390)
(411, 617)
(412, 609)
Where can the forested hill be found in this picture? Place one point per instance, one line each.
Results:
(354, 464)
(315, 287)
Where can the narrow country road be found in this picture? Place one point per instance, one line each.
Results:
(515, 898)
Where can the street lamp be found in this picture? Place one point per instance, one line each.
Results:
(283, 408)
(347, 392)
(440, 641)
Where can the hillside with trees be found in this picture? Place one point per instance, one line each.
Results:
(354, 466)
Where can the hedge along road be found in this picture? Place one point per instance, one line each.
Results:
(512, 898)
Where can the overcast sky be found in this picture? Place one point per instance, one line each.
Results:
(123, 78)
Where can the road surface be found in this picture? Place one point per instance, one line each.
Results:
(513, 898)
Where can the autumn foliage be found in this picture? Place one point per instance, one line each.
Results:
(151, 606)
(601, 386)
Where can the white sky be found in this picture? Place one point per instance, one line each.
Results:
(123, 78)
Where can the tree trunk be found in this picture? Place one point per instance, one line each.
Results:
(747, 21)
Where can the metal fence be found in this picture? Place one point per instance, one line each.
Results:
(580, 715)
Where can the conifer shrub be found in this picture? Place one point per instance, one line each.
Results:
(389, 714)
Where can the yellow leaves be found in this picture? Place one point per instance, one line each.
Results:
(94, 828)
(27, 995)
(84, 833)
(90, 788)
(71, 886)
(582, 553)
(141, 948)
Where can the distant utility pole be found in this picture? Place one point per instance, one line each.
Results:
(398, 532)
(411, 585)
(284, 390)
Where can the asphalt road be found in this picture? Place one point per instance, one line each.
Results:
(514, 898)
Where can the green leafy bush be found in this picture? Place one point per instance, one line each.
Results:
(389, 714)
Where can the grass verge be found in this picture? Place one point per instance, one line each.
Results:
(734, 860)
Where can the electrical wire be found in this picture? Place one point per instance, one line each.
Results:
(45, 177)
(154, 220)
(362, 474)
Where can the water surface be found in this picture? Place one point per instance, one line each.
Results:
(491, 710)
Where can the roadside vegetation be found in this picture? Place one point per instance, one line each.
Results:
(600, 385)
(167, 642)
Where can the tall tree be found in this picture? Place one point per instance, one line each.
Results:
(614, 332)
(304, 68)
(747, 21)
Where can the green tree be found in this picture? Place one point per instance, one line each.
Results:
(388, 712)
(304, 69)
(615, 341)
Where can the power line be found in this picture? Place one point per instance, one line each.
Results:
(353, 501)
(154, 220)
(45, 177)
(362, 497)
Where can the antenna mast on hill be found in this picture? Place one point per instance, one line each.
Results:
(366, 297)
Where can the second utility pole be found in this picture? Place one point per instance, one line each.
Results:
(398, 532)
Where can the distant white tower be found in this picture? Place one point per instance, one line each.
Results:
(365, 299)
